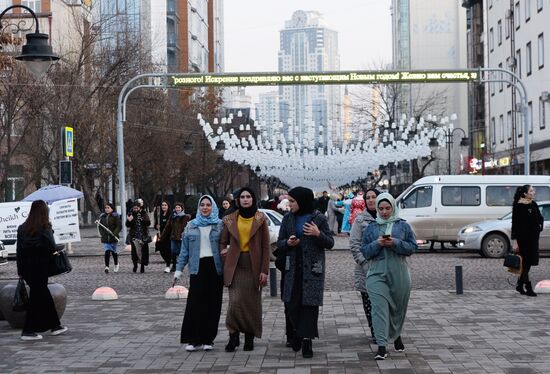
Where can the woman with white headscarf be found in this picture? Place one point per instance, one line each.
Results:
(387, 243)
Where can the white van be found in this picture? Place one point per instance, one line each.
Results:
(438, 206)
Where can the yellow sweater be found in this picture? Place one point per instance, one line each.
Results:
(244, 225)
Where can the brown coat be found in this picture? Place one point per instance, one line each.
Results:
(174, 228)
(259, 246)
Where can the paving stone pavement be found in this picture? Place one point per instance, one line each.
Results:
(477, 332)
(485, 330)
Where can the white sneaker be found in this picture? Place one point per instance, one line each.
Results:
(167, 269)
(116, 268)
(59, 330)
(207, 347)
(106, 270)
(30, 336)
(190, 348)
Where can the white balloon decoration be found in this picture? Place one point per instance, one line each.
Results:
(314, 160)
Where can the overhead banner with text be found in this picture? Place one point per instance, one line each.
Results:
(340, 77)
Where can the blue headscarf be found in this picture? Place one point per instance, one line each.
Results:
(211, 219)
(394, 215)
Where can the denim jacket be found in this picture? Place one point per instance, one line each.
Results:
(403, 238)
(191, 248)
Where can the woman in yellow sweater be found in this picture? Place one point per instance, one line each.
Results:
(244, 246)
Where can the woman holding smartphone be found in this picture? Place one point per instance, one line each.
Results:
(303, 237)
(387, 243)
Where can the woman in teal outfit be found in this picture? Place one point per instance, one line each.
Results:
(386, 245)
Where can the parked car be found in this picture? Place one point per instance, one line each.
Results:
(274, 220)
(492, 238)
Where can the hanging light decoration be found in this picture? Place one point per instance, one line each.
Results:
(309, 162)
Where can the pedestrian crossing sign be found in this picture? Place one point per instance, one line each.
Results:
(68, 141)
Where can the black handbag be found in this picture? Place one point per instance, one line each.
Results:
(21, 297)
(513, 263)
(59, 264)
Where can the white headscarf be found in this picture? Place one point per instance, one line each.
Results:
(394, 215)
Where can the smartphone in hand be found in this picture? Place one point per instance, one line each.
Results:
(386, 236)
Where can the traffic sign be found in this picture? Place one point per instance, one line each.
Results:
(68, 141)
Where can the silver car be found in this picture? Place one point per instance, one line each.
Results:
(492, 238)
(274, 220)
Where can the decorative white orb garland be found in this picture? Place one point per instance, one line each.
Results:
(296, 162)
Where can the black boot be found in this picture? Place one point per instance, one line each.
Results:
(398, 345)
(142, 269)
(233, 342)
(248, 342)
(296, 344)
(529, 289)
(307, 348)
(135, 267)
(519, 287)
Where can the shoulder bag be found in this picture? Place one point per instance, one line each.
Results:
(21, 297)
(59, 263)
(513, 262)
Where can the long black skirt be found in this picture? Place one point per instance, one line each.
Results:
(41, 314)
(204, 305)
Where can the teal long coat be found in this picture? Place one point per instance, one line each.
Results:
(388, 278)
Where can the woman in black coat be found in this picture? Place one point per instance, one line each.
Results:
(35, 245)
(527, 223)
(138, 222)
(303, 237)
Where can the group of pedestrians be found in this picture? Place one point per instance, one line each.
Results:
(234, 251)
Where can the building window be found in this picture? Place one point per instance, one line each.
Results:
(518, 62)
(510, 67)
(499, 32)
(539, 5)
(507, 23)
(541, 51)
(501, 127)
(527, 10)
(501, 83)
(530, 111)
(542, 114)
(493, 131)
(501, 130)
(491, 40)
(33, 4)
(528, 58)
(516, 15)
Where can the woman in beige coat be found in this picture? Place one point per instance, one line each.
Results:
(244, 246)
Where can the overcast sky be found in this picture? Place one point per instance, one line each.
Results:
(252, 32)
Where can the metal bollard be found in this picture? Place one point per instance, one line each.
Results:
(272, 279)
(458, 280)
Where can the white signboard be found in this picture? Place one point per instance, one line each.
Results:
(11, 216)
(64, 218)
(63, 215)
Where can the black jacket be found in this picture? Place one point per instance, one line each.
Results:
(33, 253)
(312, 259)
(527, 223)
(112, 222)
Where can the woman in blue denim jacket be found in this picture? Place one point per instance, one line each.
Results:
(387, 243)
(199, 249)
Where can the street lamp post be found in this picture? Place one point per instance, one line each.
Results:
(37, 54)
(448, 133)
